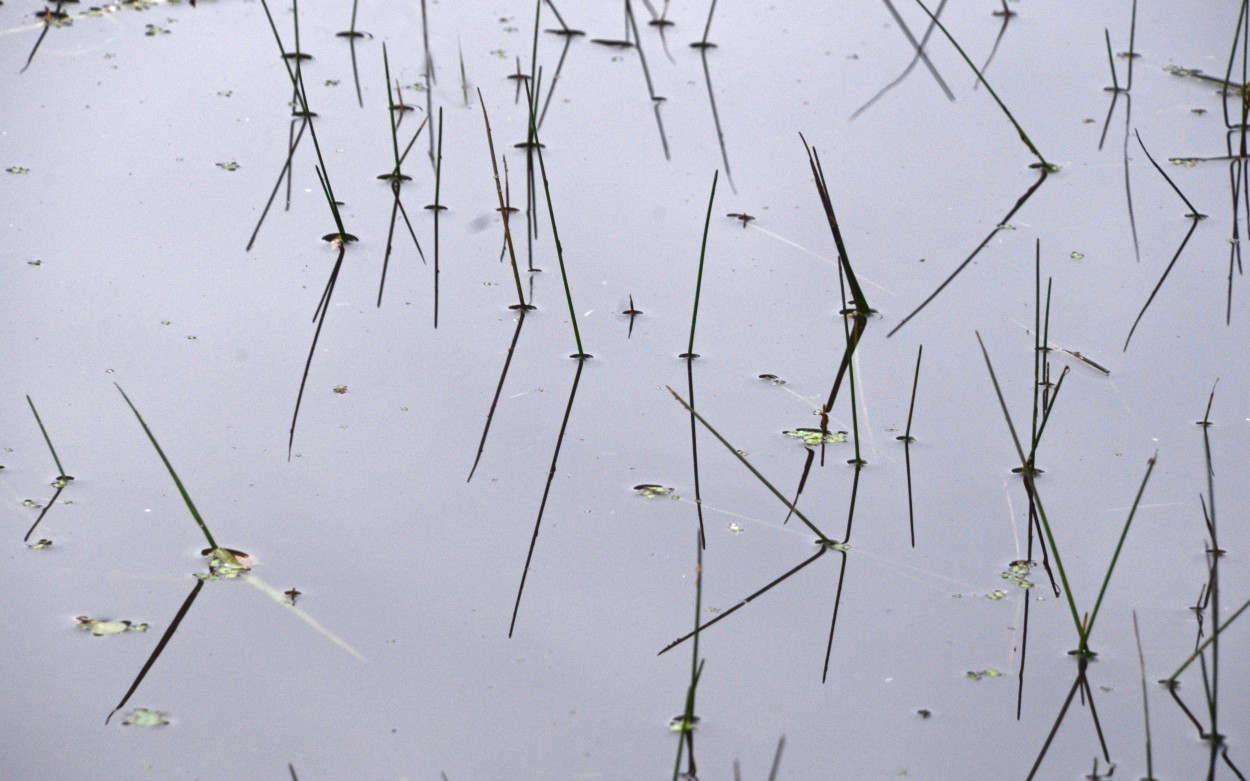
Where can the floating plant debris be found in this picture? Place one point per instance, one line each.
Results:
(230, 166)
(224, 563)
(990, 673)
(103, 626)
(1017, 573)
(996, 594)
(774, 379)
(143, 717)
(680, 723)
(1188, 162)
(742, 217)
(153, 30)
(40, 544)
(17, 169)
(814, 436)
(340, 389)
(1077, 255)
(735, 528)
(650, 490)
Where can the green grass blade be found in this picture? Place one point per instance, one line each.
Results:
(59, 469)
(1106, 581)
(698, 288)
(178, 482)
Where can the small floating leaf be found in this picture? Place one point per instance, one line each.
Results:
(990, 673)
(101, 626)
(31, 503)
(40, 545)
(814, 436)
(1018, 574)
(340, 389)
(142, 717)
(996, 594)
(17, 169)
(155, 30)
(224, 563)
(1188, 162)
(230, 166)
(1078, 255)
(651, 490)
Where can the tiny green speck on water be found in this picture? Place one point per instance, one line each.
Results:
(996, 594)
(155, 30)
(1078, 255)
(143, 717)
(230, 166)
(1188, 162)
(30, 503)
(40, 545)
(17, 169)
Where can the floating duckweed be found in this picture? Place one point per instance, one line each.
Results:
(102, 626)
(990, 673)
(17, 169)
(230, 166)
(31, 503)
(224, 563)
(143, 717)
(62, 481)
(40, 545)
(1078, 255)
(651, 490)
(340, 389)
(1006, 226)
(1018, 574)
(153, 30)
(996, 594)
(680, 723)
(735, 528)
(1188, 162)
(814, 436)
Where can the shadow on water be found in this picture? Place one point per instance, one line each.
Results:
(919, 56)
(503, 375)
(1006, 14)
(1195, 218)
(351, 34)
(542, 507)
(160, 647)
(50, 17)
(1116, 90)
(1002, 225)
